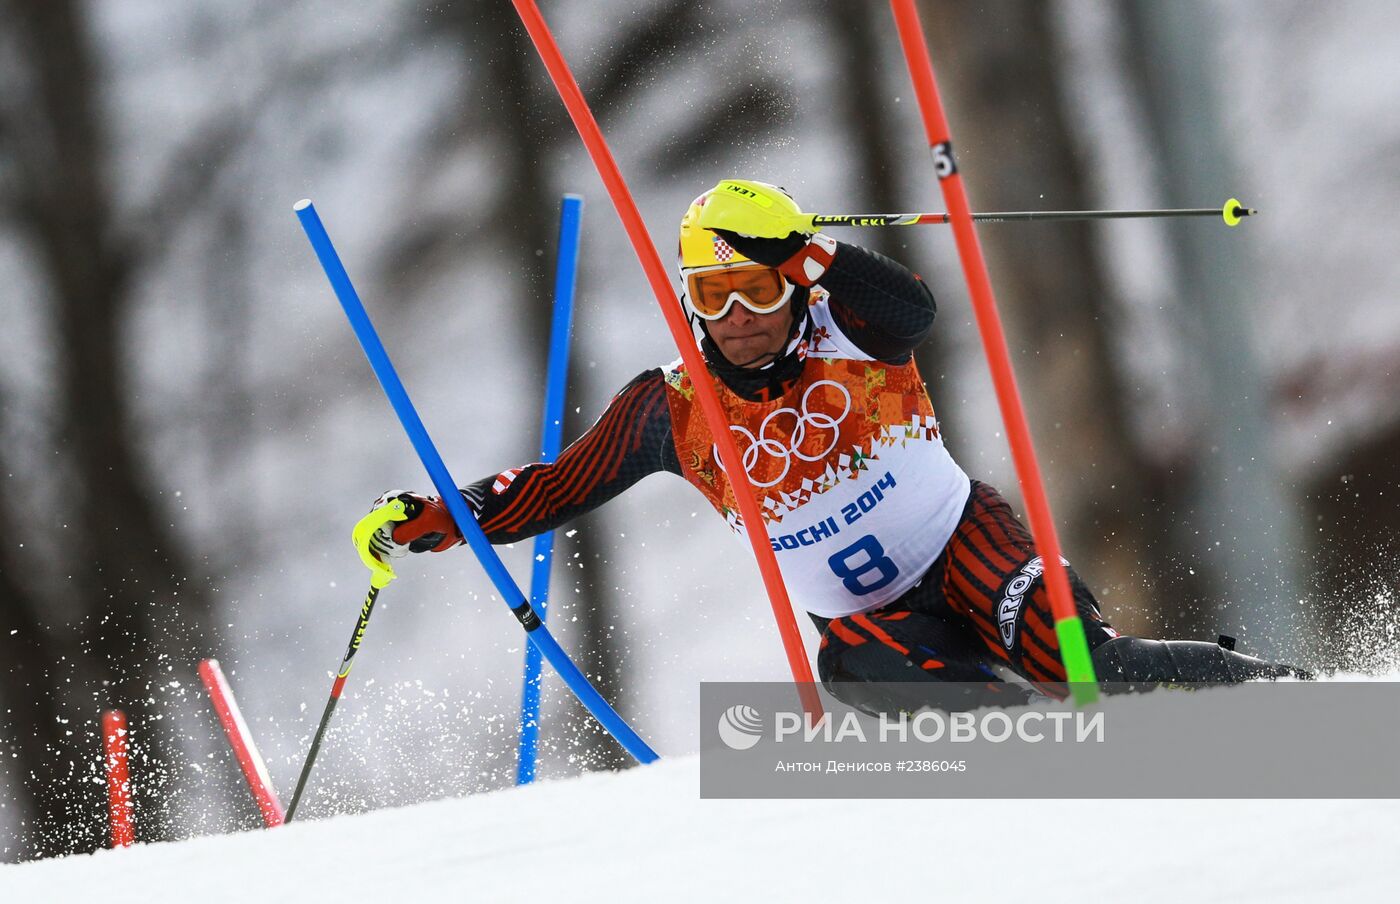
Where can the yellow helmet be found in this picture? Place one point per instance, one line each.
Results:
(744, 206)
(701, 247)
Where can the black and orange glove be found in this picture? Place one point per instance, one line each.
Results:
(428, 527)
(802, 258)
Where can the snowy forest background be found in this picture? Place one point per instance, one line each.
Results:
(190, 431)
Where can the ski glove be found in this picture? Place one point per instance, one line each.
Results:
(428, 527)
(802, 258)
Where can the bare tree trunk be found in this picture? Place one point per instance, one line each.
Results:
(1240, 507)
(59, 806)
(138, 602)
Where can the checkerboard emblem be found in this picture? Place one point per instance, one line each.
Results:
(723, 252)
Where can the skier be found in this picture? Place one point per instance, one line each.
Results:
(913, 572)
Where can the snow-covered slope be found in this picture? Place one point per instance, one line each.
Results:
(644, 834)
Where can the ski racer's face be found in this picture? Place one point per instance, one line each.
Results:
(751, 340)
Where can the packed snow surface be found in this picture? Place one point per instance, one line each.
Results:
(644, 835)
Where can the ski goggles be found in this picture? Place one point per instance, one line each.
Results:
(712, 291)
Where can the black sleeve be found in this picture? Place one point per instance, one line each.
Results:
(630, 440)
(884, 308)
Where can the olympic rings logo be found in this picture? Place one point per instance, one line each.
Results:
(774, 446)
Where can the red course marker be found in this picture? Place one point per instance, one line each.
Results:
(1074, 649)
(241, 740)
(114, 749)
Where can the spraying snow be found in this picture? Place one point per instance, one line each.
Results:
(644, 834)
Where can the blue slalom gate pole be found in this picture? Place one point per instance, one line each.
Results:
(551, 438)
(520, 607)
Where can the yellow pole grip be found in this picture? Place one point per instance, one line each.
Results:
(380, 572)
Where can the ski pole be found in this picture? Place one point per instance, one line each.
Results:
(1069, 629)
(393, 387)
(1232, 213)
(336, 688)
(551, 438)
(380, 575)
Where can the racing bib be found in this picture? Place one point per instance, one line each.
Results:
(858, 493)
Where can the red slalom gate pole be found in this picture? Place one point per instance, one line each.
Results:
(240, 739)
(631, 217)
(120, 813)
(1074, 648)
